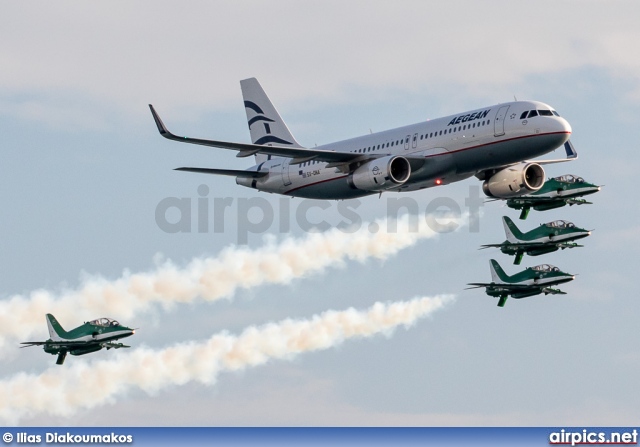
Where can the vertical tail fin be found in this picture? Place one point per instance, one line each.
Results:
(265, 124)
(498, 275)
(513, 233)
(55, 329)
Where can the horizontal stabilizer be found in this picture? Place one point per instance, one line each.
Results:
(477, 285)
(115, 345)
(28, 344)
(231, 172)
(548, 291)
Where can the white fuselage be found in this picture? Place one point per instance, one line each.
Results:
(453, 148)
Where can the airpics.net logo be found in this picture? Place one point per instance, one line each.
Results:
(257, 215)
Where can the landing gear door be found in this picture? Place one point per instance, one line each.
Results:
(499, 121)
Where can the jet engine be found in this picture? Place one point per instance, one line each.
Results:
(381, 174)
(516, 180)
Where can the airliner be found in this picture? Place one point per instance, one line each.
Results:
(495, 143)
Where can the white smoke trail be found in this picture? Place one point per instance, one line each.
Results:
(210, 278)
(64, 390)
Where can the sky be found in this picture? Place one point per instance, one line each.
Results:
(84, 171)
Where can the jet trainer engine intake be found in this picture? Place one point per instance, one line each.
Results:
(381, 174)
(516, 180)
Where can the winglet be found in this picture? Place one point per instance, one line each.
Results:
(161, 127)
(572, 154)
(570, 150)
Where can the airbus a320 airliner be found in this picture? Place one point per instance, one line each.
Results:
(494, 143)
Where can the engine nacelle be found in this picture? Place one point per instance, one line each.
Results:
(381, 174)
(516, 180)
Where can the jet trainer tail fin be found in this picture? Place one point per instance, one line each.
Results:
(498, 275)
(55, 329)
(511, 231)
(265, 124)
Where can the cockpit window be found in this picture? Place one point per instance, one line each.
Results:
(545, 268)
(555, 113)
(560, 224)
(524, 115)
(533, 113)
(105, 322)
(569, 178)
(545, 113)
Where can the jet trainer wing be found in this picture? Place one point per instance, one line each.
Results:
(57, 344)
(501, 287)
(299, 155)
(516, 246)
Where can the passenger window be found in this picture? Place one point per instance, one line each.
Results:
(533, 113)
(524, 115)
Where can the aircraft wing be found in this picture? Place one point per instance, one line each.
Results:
(507, 288)
(57, 344)
(568, 147)
(232, 172)
(299, 155)
(28, 344)
(516, 246)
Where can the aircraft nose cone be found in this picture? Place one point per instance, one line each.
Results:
(563, 125)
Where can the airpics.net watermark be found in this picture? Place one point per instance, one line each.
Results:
(257, 215)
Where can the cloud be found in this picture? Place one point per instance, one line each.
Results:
(329, 51)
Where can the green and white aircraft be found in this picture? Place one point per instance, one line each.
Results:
(547, 238)
(529, 282)
(555, 193)
(90, 337)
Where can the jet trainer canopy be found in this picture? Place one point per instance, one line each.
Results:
(560, 224)
(545, 268)
(569, 178)
(106, 322)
